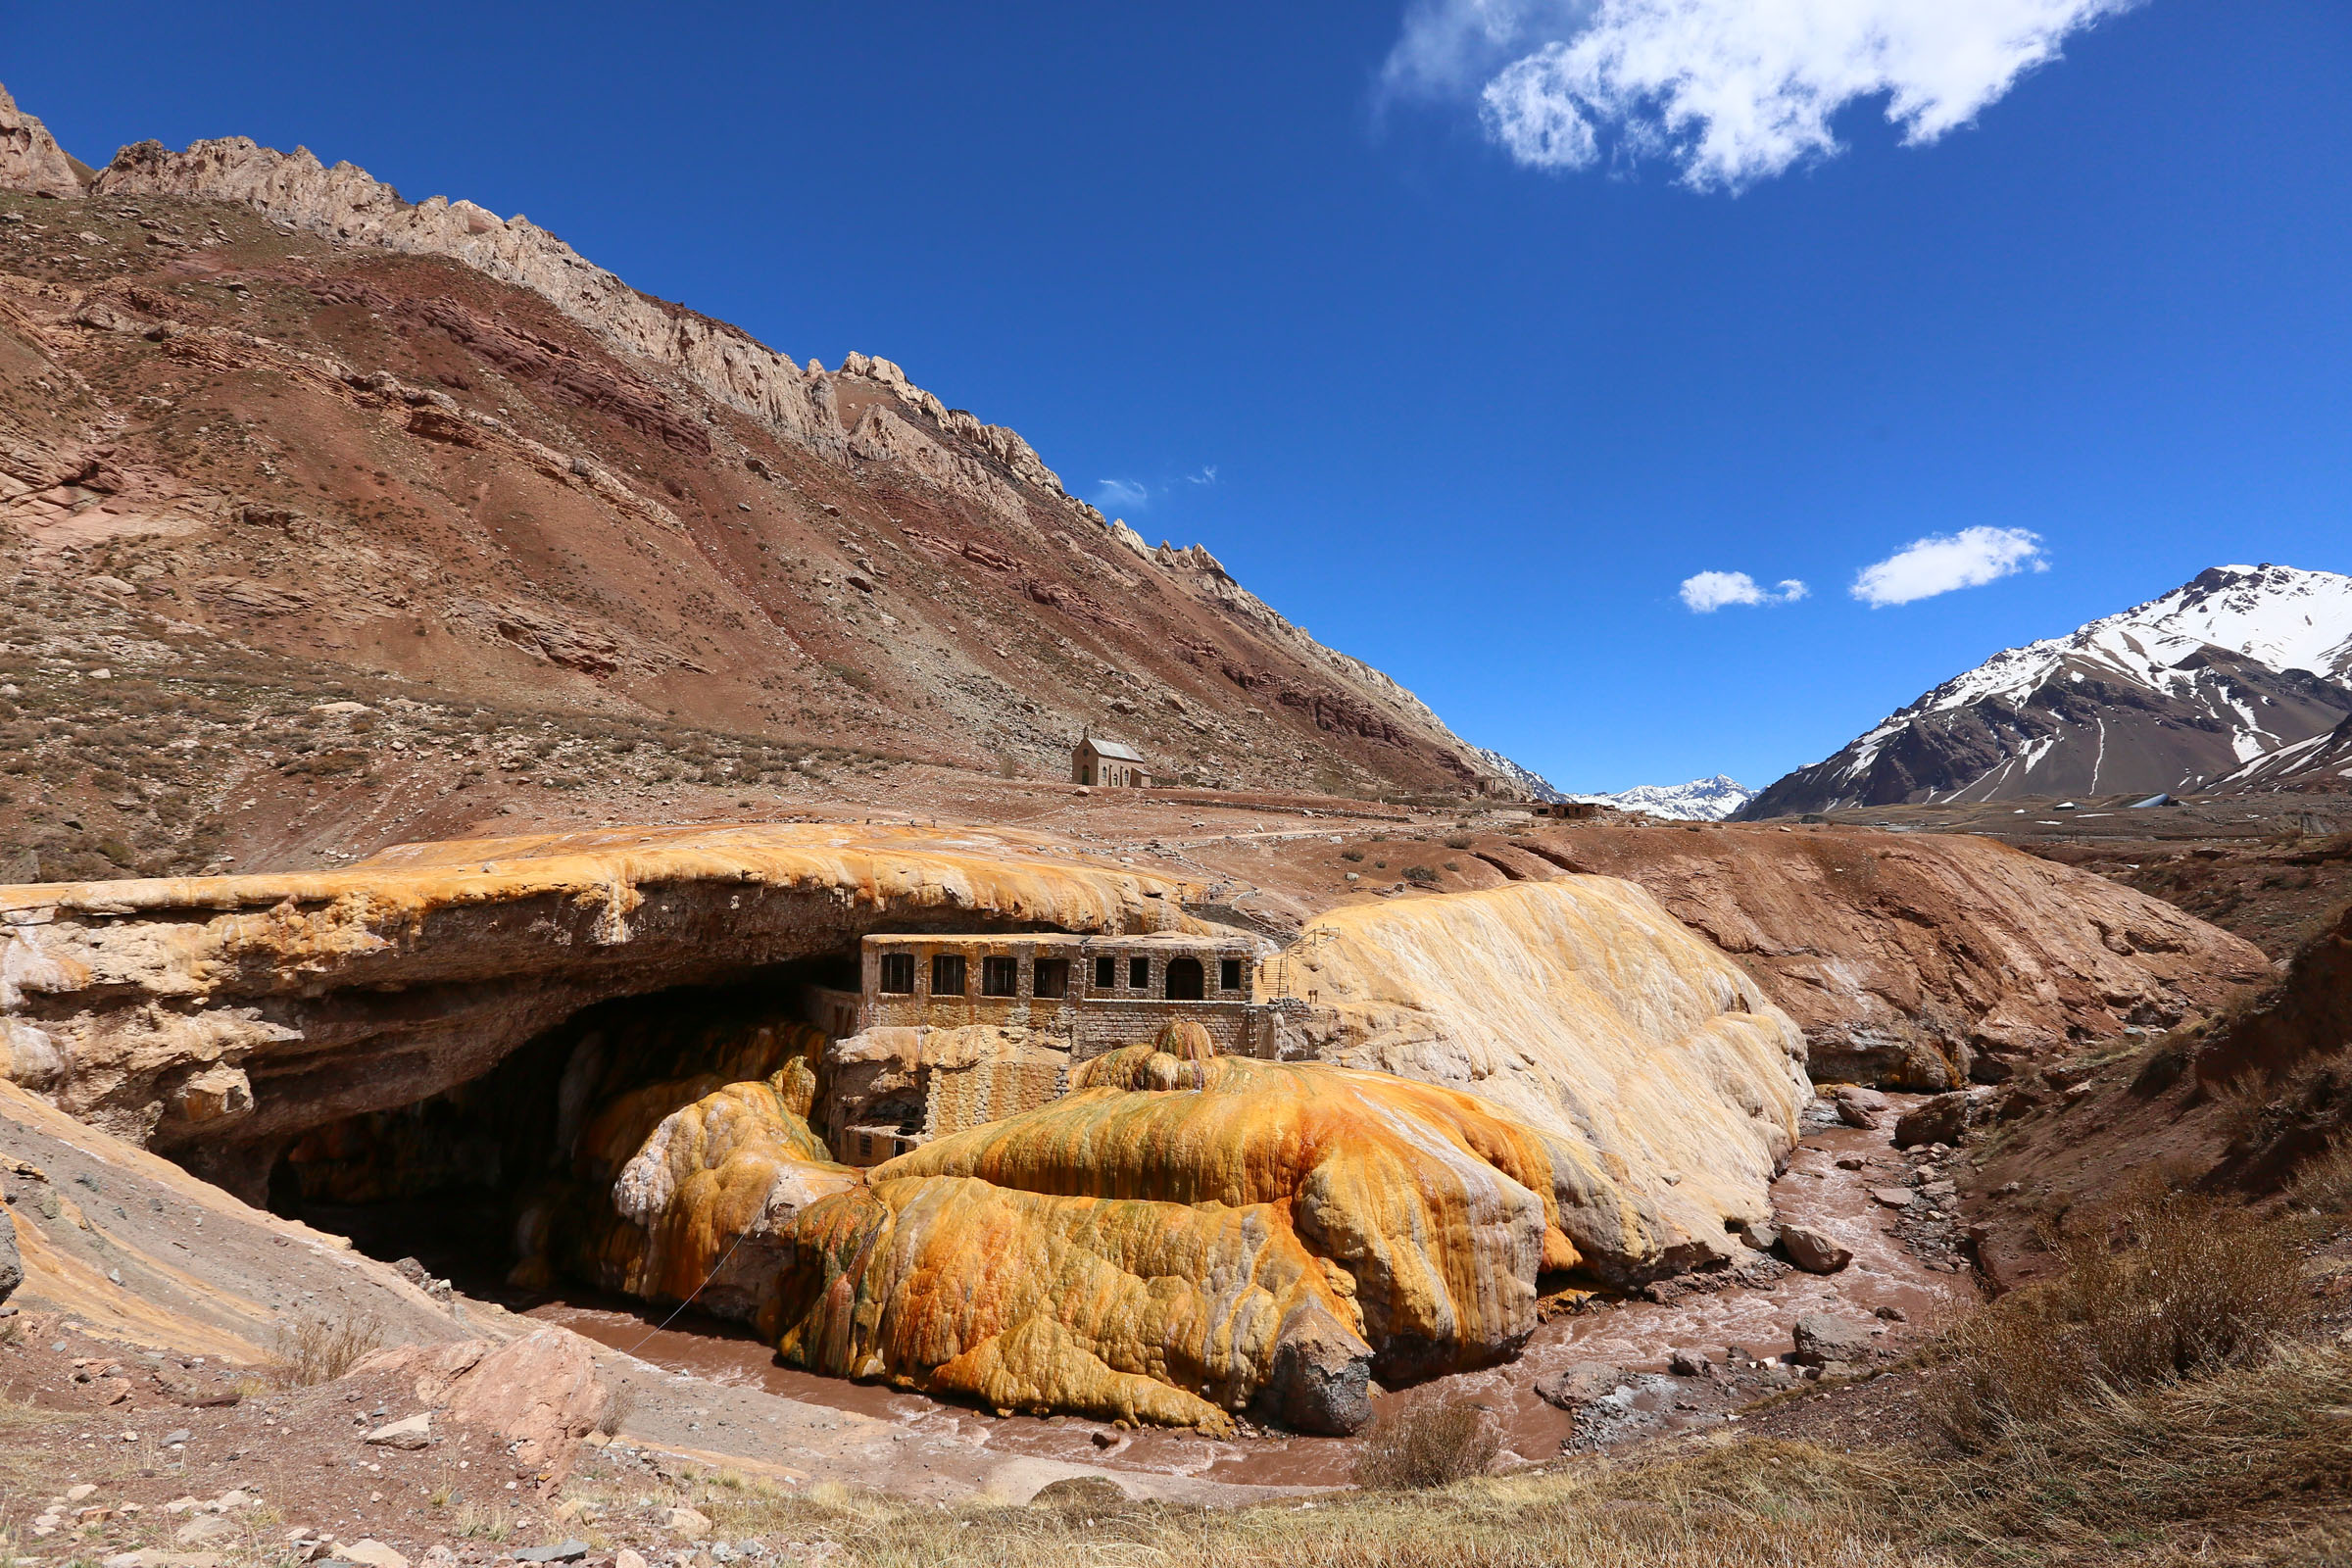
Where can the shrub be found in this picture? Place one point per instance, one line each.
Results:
(319, 1349)
(1352, 855)
(1427, 1443)
(1459, 841)
(2187, 1289)
(2325, 1182)
(1419, 874)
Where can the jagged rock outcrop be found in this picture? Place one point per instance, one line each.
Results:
(1583, 1009)
(220, 1018)
(31, 159)
(1912, 959)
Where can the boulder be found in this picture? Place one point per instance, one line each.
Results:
(1944, 1119)
(539, 1394)
(1580, 1385)
(1821, 1339)
(1688, 1364)
(1812, 1252)
(1859, 1107)
(416, 1432)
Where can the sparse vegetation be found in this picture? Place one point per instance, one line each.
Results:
(1459, 841)
(319, 1349)
(1428, 1443)
(2167, 1285)
(2324, 1183)
(1420, 873)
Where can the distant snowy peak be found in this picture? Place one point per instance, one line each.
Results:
(1702, 800)
(2169, 695)
(2281, 617)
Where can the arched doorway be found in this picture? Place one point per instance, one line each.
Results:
(1185, 980)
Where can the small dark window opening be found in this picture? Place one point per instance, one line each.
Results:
(1184, 979)
(1052, 977)
(999, 977)
(1107, 973)
(897, 973)
(946, 974)
(1139, 974)
(1229, 974)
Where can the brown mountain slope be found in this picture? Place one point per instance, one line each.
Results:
(269, 401)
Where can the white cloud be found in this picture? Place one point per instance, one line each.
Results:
(1207, 475)
(1709, 591)
(1126, 493)
(1731, 90)
(1942, 563)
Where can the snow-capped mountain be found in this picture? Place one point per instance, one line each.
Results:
(1702, 800)
(2168, 694)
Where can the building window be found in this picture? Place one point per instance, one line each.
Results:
(999, 977)
(1229, 974)
(1139, 974)
(898, 974)
(1184, 979)
(1052, 977)
(1107, 973)
(946, 974)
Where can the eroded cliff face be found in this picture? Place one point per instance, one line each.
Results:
(217, 1018)
(1913, 961)
(1581, 1007)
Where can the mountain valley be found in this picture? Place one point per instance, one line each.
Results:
(568, 993)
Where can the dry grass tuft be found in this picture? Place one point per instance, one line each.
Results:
(1428, 1443)
(319, 1349)
(2186, 1288)
(2324, 1183)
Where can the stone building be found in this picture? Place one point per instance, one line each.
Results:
(1108, 764)
(953, 1031)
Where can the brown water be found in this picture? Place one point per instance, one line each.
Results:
(1633, 1333)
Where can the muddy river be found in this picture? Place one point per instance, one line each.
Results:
(1634, 1334)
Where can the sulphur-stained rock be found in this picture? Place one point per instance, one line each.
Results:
(151, 995)
(1583, 1009)
(731, 1167)
(1184, 1236)
(31, 159)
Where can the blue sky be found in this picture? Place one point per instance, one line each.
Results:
(1320, 305)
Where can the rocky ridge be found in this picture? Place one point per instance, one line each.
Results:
(2233, 664)
(422, 440)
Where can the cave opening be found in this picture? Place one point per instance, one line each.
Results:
(502, 1183)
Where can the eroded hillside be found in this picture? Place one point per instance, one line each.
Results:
(249, 401)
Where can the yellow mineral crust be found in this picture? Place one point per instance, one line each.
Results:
(735, 1162)
(275, 985)
(1184, 1235)
(1580, 1008)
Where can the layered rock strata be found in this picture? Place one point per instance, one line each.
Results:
(219, 1018)
(1913, 961)
(1581, 1007)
